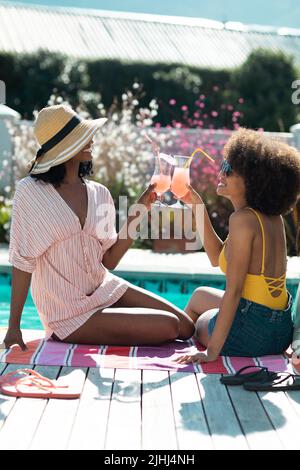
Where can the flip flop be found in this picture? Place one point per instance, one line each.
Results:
(261, 374)
(284, 382)
(34, 385)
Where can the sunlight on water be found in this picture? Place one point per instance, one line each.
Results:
(175, 291)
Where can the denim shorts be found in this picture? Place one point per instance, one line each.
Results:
(257, 330)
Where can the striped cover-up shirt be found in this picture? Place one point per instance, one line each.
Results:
(69, 282)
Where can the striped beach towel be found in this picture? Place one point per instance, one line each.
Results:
(52, 353)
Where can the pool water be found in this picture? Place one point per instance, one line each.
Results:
(176, 291)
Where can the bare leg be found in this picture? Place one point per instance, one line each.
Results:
(137, 297)
(127, 327)
(202, 327)
(203, 299)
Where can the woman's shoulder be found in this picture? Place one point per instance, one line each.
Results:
(27, 185)
(100, 188)
(251, 219)
(243, 219)
(29, 181)
(242, 215)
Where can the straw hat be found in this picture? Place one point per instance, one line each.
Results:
(61, 133)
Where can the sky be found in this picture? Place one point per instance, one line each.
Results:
(264, 12)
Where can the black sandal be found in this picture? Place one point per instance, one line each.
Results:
(260, 375)
(283, 383)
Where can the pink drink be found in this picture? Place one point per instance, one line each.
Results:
(180, 179)
(163, 183)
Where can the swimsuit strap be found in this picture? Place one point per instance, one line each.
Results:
(269, 280)
(263, 239)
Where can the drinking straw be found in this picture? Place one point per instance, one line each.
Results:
(194, 153)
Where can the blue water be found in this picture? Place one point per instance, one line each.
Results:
(176, 291)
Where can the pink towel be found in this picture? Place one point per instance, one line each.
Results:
(52, 353)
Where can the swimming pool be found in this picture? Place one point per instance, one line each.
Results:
(177, 291)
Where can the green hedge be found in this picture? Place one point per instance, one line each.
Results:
(264, 81)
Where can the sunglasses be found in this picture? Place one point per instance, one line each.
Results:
(225, 168)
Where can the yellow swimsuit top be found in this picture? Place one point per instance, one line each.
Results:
(258, 287)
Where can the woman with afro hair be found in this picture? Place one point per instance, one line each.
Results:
(252, 317)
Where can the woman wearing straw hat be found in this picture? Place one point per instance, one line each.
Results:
(62, 241)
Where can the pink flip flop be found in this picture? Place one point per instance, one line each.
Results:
(34, 385)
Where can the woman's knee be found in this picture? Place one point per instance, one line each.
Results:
(204, 298)
(170, 327)
(196, 302)
(197, 296)
(200, 292)
(187, 331)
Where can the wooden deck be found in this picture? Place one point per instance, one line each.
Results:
(152, 410)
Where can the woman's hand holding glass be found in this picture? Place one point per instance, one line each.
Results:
(148, 196)
(191, 196)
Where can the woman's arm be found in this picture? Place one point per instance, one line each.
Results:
(19, 291)
(212, 243)
(238, 253)
(125, 238)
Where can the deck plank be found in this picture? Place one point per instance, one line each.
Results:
(294, 397)
(284, 418)
(222, 421)
(15, 435)
(124, 423)
(158, 425)
(7, 403)
(56, 423)
(260, 433)
(190, 421)
(133, 409)
(93, 411)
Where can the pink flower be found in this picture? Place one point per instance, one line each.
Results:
(202, 97)
(241, 100)
(216, 88)
(202, 105)
(172, 102)
(214, 114)
(184, 108)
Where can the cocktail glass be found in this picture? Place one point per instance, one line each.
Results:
(164, 165)
(181, 177)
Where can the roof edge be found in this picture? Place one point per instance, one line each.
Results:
(180, 20)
